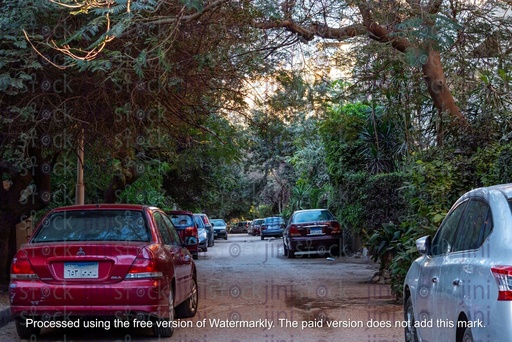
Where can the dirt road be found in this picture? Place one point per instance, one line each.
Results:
(250, 292)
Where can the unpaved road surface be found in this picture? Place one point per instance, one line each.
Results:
(250, 292)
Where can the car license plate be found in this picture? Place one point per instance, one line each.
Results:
(80, 270)
(316, 231)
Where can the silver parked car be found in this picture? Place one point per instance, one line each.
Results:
(460, 288)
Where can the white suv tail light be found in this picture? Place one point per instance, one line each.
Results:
(503, 277)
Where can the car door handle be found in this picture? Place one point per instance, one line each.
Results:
(457, 282)
(435, 280)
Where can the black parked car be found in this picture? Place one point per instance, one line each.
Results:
(219, 229)
(312, 231)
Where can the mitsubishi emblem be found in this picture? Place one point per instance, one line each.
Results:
(80, 252)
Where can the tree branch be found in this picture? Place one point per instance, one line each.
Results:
(188, 18)
(380, 33)
(315, 30)
(434, 6)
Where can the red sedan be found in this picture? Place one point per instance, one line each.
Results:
(187, 229)
(117, 262)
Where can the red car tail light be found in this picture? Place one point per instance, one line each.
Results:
(191, 231)
(144, 266)
(336, 228)
(21, 268)
(503, 277)
(294, 230)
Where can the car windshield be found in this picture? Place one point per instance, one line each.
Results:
(181, 220)
(219, 222)
(313, 216)
(271, 220)
(93, 225)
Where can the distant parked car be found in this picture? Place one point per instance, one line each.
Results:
(202, 233)
(313, 231)
(240, 227)
(209, 229)
(186, 227)
(219, 228)
(460, 288)
(110, 261)
(272, 226)
(255, 227)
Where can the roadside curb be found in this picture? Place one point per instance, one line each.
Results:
(5, 317)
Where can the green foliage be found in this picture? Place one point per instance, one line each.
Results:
(382, 141)
(495, 164)
(261, 211)
(17, 59)
(365, 202)
(405, 252)
(339, 132)
(394, 246)
(194, 4)
(382, 243)
(345, 121)
(301, 195)
(148, 188)
(441, 34)
(436, 179)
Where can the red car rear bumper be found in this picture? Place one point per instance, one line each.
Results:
(124, 298)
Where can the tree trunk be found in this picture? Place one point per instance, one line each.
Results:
(119, 182)
(7, 234)
(444, 102)
(29, 191)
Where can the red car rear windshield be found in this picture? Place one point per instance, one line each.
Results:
(313, 216)
(182, 220)
(93, 225)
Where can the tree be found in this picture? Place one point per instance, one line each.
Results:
(421, 30)
(427, 34)
(133, 102)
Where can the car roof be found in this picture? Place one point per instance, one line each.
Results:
(105, 206)
(306, 210)
(179, 212)
(505, 189)
(485, 192)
